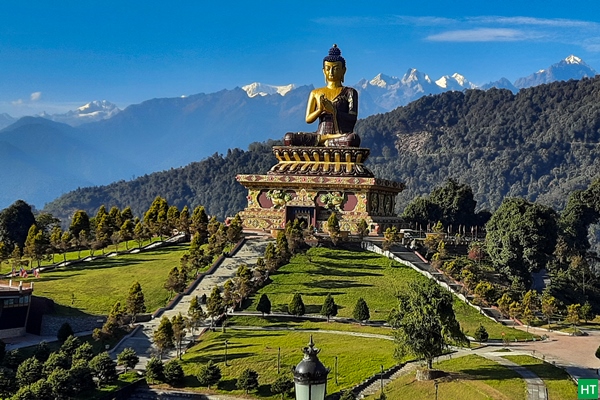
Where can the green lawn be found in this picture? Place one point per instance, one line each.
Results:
(348, 275)
(97, 285)
(559, 383)
(471, 377)
(358, 358)
(75, 255)
(282, 322)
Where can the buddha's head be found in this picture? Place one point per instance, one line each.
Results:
(334, 65)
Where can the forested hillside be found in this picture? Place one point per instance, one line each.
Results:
(540, 144)
(210, 183)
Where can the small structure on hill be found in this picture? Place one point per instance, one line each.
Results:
(322, 172)
(15, 300)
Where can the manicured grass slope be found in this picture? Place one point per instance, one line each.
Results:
(97, 285)
(348, 275)
(472, 377)
(559, 384)
(358, 357)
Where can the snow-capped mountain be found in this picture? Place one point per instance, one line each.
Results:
(454, 82)
(261, 89)
(90, 112)
(571, 67)
(389, 92)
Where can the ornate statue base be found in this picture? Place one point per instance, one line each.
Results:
(312, 182)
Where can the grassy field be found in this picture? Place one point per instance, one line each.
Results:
(348, 275)
(358, 358)
(282, 322)
(470, 377)
(97, 285)
(559, 384)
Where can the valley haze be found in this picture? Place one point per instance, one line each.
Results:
(44, 156)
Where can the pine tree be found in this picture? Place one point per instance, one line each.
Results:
(128, 358)
(178, 324)
(104, 368)
(135, 303)
(195, 313)
(296, 306)
(361, 310)
(154, 370)
(333, 227)
(248, 380)
(329, 308)
(173, 373)
(214, 304)
(481, 334)
(199, 224)
(264, 305)
(283, 385)
(35, 244)
(163, 336)
(209, 374)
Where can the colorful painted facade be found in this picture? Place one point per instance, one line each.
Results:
(309, 183)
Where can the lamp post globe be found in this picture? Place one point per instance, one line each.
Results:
(310, 375)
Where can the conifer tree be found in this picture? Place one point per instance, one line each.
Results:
(296, 306)
(135, 303)
(195, 313)
(361, 310)
(163, 336)
(264, 305)
(329, 308)
(214, 304)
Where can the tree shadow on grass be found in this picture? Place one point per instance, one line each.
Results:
(331, 284)
(218, 358)
(338, 271)
(490, 373)
(228, 384)
(264, 390)
(546, 371)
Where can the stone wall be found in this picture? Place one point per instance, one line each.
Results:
(51, 324)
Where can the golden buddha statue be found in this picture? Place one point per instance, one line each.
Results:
(335, 106)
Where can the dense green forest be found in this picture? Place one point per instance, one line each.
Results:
(540, 144)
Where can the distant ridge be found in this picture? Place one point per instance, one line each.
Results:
(165, 133)
(541, 144)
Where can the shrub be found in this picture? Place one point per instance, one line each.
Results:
(481, 334)
(248, 380)
(173, 373)
(155, 370)
(209, 374)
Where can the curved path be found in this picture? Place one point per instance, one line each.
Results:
(536, 389)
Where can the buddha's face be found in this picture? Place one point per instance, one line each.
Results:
(334, 71)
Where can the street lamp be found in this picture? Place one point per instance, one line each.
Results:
(310, 375)
(226, 343)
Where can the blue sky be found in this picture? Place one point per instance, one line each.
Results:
(57, 55)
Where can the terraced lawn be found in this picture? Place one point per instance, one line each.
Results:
(358, 358)
(470, 377)
(97, 285)
(348, 275)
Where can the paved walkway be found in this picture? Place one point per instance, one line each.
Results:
(536, 389)
(141, 339)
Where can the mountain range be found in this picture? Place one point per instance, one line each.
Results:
(540, 144)
(42, 157)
